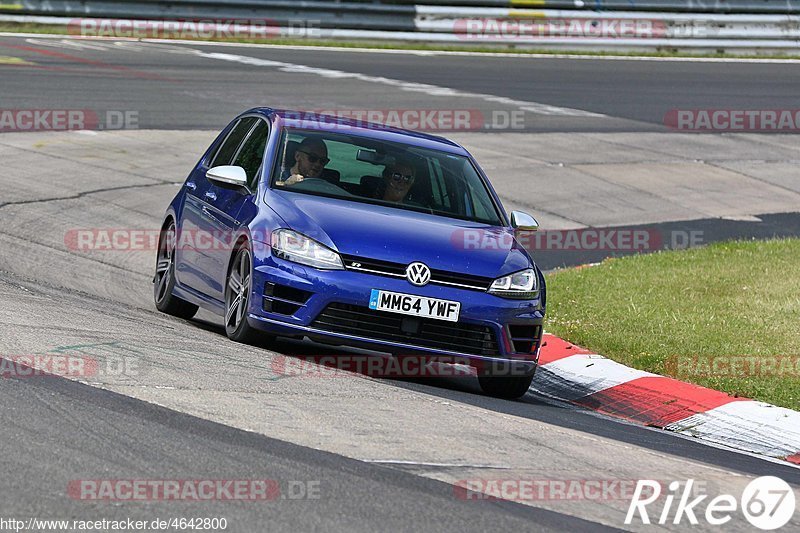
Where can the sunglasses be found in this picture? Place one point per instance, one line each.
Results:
(313, 158)
(407, 178)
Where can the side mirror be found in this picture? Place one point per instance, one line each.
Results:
(228, 175)
(523, 221)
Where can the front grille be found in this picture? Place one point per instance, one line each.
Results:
(422, 332)
(398, 270)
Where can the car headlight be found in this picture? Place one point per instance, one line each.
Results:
(522, 285)
(293, 246)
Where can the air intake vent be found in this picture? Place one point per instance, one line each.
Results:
(284, 300)
(525, 338)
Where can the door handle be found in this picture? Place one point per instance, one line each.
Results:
(191, 185)
(211, 195)
(207, 212)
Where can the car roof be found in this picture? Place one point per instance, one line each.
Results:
(309, 120)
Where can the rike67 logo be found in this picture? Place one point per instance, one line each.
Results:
(768, 503)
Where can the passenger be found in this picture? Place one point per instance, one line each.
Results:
(397, 181)
(310, 159)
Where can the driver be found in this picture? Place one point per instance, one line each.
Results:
(397, 181)
(310, 159)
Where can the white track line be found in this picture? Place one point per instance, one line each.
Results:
(431, 90)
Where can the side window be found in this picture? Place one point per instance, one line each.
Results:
(481, 209)
(228, 148)
(252, 151)
(478, 203)
(438, 184)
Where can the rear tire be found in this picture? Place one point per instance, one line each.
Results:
(164, 280)
(238, 287)
(508, 388)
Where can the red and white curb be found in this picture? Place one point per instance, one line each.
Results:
(573, 374)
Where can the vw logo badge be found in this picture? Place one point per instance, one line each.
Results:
(418, 274)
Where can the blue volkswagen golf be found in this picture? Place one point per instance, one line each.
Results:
(354, 234)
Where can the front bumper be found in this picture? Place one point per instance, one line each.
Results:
(480, 311)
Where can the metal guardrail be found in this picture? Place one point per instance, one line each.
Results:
(404, 7)
(326, 14)
(484, 25)
(761, 24)
(696, 6)
(786, 7)
(780, 7)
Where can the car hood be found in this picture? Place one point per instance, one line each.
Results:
(402, 236)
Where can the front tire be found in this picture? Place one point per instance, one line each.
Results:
(238, 287)
(164, 280)
(508, 388)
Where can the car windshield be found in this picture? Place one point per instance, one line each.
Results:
(366, 170)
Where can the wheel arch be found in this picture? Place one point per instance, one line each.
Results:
(242, 239)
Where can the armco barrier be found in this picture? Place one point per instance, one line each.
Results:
(531, 26)
(574, 24)
(180, 7)
(680, 6)
(351, 15)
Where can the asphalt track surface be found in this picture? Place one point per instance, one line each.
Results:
(80, 428)
(176, 89)
(385, 452)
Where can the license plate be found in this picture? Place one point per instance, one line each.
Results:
(408, 304)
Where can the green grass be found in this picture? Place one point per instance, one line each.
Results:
(51, 29)
(738, 298)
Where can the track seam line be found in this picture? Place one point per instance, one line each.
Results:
(80, 195)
